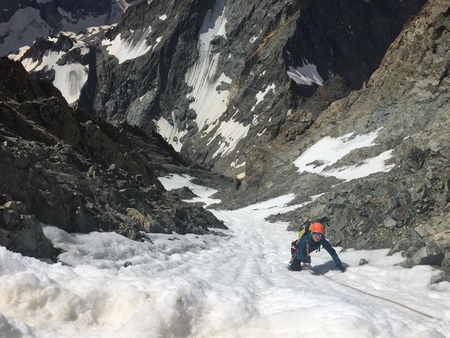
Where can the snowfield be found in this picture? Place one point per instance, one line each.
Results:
(211, 286)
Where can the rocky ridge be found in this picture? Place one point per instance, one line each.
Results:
(406, 99)
(383, 67)
(61, 167)
(275, 50)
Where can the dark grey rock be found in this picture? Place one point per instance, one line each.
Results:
(61, 167)
(380, 68)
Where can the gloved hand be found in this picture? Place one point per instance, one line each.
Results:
(340, 267)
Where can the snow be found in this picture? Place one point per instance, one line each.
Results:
(328, 151)
(21, 52)
(69, 78)
(209, 103)
(170, 132)
(211, 286)
(260, 95)
(229, 133)
(26, 25)
(130, 48)
(22, 29)
(305, 75)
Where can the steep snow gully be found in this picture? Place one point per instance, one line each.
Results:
(237, 285)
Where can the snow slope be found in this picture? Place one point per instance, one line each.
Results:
(322, 155)
(210, 286)
(26, 24)
(208, 102)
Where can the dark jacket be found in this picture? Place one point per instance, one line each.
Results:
(306, 245)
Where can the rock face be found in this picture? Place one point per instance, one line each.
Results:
(61, 167)
(231, 55)
(197, 71)
(246, 88)
(407, 208)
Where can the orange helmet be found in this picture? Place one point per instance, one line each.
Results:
(317, 227)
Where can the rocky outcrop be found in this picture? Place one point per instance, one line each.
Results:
(344, 41)
(67, 169)
(197, 73)
(245, 89)
(407, 208)
(21, 232)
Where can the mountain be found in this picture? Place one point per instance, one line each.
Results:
(249, 90)
(21, 22)
(292, 55)
(62, 167)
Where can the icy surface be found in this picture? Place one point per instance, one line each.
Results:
(328, 151)
(132, 47)
(305, 75)
(209, 286)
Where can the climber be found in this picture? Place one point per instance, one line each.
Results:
(310, 241)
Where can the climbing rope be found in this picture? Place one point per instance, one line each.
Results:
(382, 298)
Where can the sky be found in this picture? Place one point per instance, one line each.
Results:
(235, 285)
